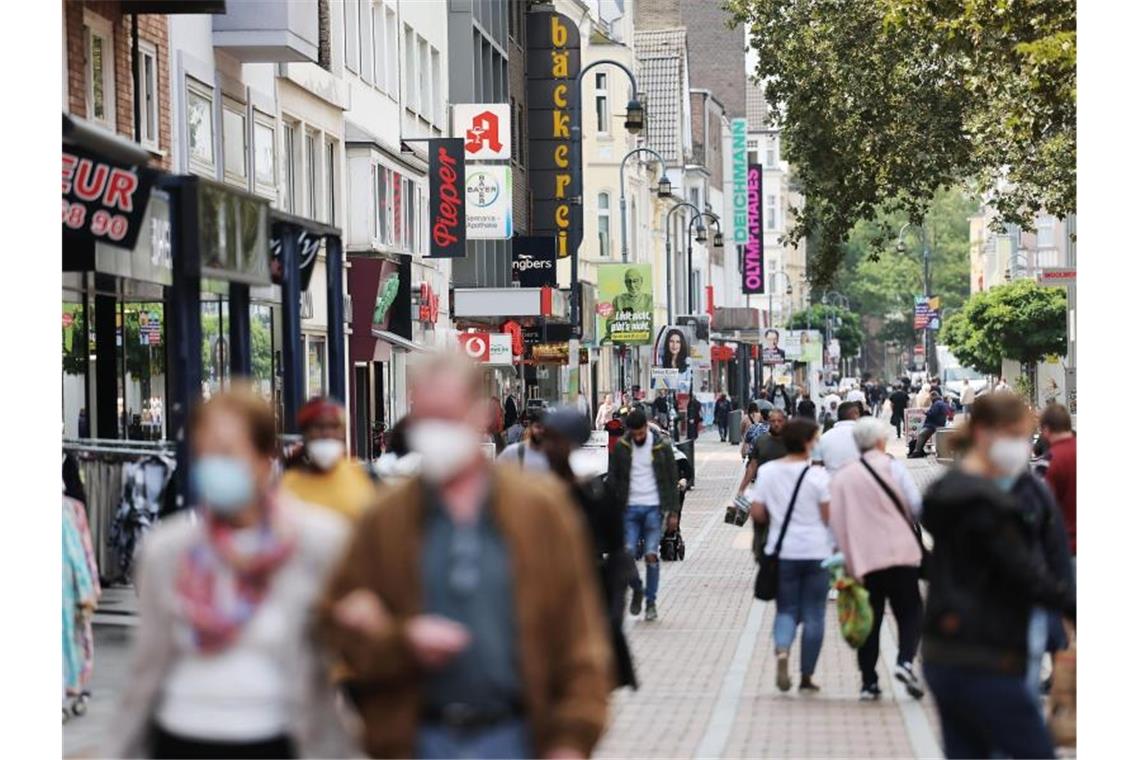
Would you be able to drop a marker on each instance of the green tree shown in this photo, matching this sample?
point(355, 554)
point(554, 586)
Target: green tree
point(1022, 321)
point(883, 102)
point(845, 325)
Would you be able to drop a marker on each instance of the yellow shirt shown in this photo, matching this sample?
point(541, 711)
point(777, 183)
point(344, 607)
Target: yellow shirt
point(346, 488)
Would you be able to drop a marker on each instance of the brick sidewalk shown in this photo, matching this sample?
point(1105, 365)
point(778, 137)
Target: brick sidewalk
point(707, 670)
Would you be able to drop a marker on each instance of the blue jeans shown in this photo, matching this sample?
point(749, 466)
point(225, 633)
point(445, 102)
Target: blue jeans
point(643, 521)
point(801, 598)
point(986, 714)
point(510, 741)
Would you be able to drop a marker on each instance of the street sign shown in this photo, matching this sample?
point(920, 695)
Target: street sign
point(1057, 276)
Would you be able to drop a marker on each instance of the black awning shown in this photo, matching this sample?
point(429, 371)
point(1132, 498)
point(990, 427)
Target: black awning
point(173, 7)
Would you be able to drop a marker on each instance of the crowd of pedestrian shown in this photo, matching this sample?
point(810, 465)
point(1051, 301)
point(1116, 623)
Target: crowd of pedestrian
point(447, 603)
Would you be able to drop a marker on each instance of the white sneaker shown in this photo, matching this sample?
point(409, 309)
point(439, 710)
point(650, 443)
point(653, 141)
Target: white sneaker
point(904, 673)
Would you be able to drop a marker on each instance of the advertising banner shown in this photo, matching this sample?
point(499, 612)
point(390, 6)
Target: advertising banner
point(533, 262)
point(740, 181)
point(489, 202)
point(551, 353)
point(698, 328)
point(670, 379)
point(499, 349)
point(554, 59)
point(671, 348)
point(476, 346)
point(752, 267)
point(446, 206)
point(308, 246)
point(927, 312)
point(103, 200)
point(803, 345)
point(625, 303)
point(484, 129)
point(774, 350)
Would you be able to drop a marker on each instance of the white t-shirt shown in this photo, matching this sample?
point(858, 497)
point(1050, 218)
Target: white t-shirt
point(533, 459)
point(837, 446)
point(808, 537)
point(856, 394)
point(642, 483)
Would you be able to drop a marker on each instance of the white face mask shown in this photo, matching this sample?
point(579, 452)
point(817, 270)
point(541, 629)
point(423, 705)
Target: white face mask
point(325, 452)
point(444, 447)
point(1010, 455)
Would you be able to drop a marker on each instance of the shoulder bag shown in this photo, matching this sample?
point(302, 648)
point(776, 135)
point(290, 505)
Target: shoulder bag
point(924, 565)
point(768, 574)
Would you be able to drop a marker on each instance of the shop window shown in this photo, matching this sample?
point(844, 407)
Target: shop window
point(99, 54)
point(315, 366)
point(235, 148)
point(200, 126)
point(147, 94)
point(215, 343)
point(262, 348)
point(143, 384)
point(264, 155)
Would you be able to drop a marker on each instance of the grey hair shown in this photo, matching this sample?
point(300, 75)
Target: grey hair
point(869, 431)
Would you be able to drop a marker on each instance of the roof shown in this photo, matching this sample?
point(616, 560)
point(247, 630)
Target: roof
point(660, 74)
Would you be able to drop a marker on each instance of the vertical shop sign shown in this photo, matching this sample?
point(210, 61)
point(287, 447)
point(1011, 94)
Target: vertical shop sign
point(447, 183)
point(752, 274)
point(533, 262)
point(740, 181)
point(553, 62)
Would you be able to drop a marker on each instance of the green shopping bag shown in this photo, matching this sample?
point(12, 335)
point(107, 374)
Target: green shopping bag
point(855, 615)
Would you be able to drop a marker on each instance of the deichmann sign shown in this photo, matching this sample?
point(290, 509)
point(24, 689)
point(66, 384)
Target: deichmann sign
point(752, 273)
point(533, 261)
point(484, 129)
point(740, 181)
point(103, 200)
point(447, 174)
point(489, 202)
point(553, 62)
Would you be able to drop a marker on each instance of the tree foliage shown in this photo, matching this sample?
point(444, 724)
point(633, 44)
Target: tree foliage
point(1022, 321)
point(882, 102)
point(845, 325)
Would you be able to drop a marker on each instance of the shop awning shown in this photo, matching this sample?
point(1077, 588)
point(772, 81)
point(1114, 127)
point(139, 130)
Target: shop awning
point(398, 341)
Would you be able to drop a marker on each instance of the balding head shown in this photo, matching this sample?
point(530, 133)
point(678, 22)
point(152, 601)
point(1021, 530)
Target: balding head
point(446, 386)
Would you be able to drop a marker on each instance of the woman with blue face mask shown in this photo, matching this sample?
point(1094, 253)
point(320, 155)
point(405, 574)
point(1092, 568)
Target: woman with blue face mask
point(225, 664)
point(987, 575)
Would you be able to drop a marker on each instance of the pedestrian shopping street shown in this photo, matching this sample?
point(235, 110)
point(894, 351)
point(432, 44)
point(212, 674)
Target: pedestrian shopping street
point(706, 666)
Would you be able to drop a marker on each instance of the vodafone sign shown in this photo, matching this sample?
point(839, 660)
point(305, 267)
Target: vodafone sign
point(476, 346)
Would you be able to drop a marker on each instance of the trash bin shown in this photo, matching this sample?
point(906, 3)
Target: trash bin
point(734, 419)
point(942, 449)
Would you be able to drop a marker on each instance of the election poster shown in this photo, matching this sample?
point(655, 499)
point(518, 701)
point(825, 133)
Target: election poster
point(625, 303)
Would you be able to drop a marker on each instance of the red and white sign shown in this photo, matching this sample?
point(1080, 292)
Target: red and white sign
point(476, 346)
point(429, 304)
point(485, 129)
point(1057, 276)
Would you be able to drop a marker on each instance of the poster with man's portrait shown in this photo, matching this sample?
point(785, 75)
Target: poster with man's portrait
point(625, 303)
point(772, 348)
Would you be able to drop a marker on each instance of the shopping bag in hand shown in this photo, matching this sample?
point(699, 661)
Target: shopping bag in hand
point(853, 604)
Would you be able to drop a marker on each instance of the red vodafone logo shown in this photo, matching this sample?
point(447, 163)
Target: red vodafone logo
point(476, 346)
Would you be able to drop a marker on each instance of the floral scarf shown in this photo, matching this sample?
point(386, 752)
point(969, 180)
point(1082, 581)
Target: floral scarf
point(220, 585)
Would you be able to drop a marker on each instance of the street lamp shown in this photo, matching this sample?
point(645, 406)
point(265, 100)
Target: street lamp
point(702, 237)
point(928, 337)
point(664, 190)
point(634, 123)
point(669, 254)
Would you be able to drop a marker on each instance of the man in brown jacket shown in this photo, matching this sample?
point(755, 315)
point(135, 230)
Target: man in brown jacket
point(467, 605)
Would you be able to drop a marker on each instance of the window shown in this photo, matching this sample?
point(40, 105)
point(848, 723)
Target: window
point(366, 70)
point(264, 154)
point(604, 225)
point(770, 222)
point(291, 160)
point(770, 154)
point(235, 147)
point(379, 44)
point(330, 181)
point(1045, 237)
point(396, 197)
point(423, 76)
point(383, 226)
point(311, 165)
point(393, 52)
point(602, 103)
point(411, 93)
point(99, 53)
point(409, 197)
point(352, 35)
point(147, 95)
point(436, 90)
point(200, 126)
point(316, 366)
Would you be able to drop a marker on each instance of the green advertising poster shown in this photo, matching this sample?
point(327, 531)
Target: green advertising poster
point(625, 303)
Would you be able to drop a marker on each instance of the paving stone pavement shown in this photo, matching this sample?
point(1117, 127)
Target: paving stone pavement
point(707, 669)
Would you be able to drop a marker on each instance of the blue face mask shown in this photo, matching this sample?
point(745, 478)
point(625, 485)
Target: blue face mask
point(1005, 482)
point(224, 485)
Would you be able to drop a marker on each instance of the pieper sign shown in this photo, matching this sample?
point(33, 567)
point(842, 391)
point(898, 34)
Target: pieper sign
point(448, 215)
point(103, 200)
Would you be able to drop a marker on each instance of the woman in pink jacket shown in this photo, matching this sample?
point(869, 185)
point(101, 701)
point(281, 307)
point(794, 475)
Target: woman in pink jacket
point(874, 507)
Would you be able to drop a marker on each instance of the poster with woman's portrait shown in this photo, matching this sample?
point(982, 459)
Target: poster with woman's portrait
point(671, 360)
point(697, 326)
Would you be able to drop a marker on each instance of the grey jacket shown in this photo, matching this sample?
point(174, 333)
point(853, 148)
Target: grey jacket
point(317, 725)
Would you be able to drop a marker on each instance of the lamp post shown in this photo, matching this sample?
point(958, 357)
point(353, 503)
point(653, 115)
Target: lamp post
point(664, 190)
point(634, 122)
point(833, 298)
point(669, 254)
point(702, 237)
point(927, 337)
